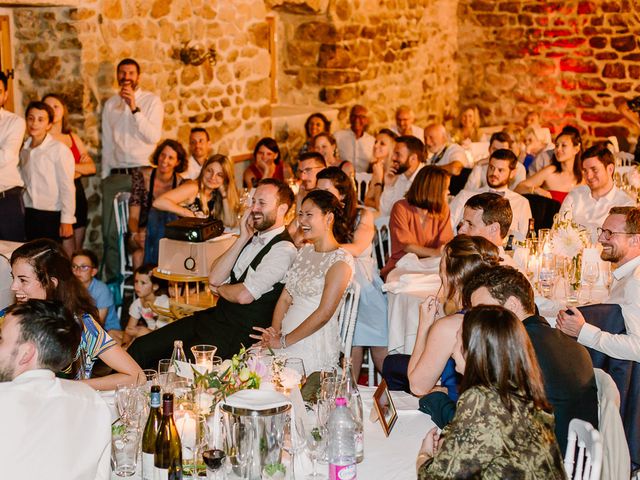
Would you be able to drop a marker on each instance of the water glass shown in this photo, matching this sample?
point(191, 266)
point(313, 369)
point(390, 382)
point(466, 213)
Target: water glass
point(125, 445)
point(165, 372)
point(590, 274)
point(147, 378)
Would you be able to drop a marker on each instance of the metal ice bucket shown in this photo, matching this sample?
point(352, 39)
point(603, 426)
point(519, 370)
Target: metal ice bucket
point(254, 434)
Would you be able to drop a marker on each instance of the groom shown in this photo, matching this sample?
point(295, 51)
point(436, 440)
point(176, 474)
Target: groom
point(248, 279)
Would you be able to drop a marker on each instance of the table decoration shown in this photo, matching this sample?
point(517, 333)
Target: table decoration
point(567, 242)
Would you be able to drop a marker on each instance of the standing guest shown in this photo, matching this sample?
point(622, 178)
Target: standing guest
point(305, 322)
point(54, 428)
point(555, 181)
point(325, 144)
point(146, 223)
point(503, 427)
point(42, 271)
point(354, 230)
point(404, 126)
point(131, 128)
point(355, 144)
point(420, 223)
point(84, 166)
point(267, 163)
point(407, 160)
point(316, 123)
point(212, 194)
point(468, 126)
point(588, 205)
point(48, 169)
point(478, 176)
point(247, 279)
point(84, 265)
point(200, 149)
point(449, 156)
point(380, 165)
point(502, 163)
point(12, 129)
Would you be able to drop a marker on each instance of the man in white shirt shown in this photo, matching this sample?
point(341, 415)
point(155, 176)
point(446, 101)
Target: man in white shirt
point(501, 165)
point(407, 159)
point(449, 156)
point(200, 149)
point(12, 129)
point(404, 126)
point(248, 279)
point(588, 205)
point(620, 240)
point(131, 128)
point(355, 145)
point(478, 176)
point(52, 428)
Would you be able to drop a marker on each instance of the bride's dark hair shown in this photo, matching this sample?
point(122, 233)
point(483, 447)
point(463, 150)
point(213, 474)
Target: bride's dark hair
point(327, 202)
point(346, 189)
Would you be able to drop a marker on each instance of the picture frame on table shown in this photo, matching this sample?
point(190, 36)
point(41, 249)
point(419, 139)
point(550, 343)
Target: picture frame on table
point(386, 410)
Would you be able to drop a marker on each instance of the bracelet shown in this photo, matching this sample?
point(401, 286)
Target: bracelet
point(283, 341)
point(378, 184)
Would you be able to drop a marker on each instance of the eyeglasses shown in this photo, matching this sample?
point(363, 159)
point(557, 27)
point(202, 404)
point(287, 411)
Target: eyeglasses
point(82, 268)
point(307, 171)
point(607, 234)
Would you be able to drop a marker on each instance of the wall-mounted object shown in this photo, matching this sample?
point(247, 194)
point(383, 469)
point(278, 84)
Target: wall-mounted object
point(195, 53)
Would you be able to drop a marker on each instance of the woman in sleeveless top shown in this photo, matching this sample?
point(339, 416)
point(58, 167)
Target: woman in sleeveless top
point(267, 163)
point(212, 194)
point(61, 131)
point(564, 173)
point(355, 231)
point(325, 144)
point(146, 224)
point(305, 322)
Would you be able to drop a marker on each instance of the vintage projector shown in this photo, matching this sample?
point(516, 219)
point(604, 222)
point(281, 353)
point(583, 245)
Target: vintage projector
point(179, 257)
point(193, 229)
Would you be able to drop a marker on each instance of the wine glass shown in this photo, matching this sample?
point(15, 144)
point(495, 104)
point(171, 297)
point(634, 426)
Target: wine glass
point(146, 379)
point(297, 365)
point(238, 445)
point(294, 440)
point(316, 438)
point(547, 274)
point(590, 274)
point(129, 403)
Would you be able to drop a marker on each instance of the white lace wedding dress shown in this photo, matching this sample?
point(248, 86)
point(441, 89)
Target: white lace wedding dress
point(305, 283)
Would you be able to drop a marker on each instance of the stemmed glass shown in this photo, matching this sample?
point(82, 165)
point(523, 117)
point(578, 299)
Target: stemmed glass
point(238, 445)
point(130, 403)
point(297, 365)
point(294, 440)
point(316, 438)
point(590, 274)
point(547, 274)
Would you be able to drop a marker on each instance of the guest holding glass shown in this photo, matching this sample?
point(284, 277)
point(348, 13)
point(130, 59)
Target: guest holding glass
point(503, 427)
point(42, 271)
point(420, 223)
point(305, 322)
point(146, 223)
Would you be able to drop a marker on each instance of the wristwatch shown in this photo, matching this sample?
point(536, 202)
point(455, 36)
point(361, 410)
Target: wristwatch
point(135, 110)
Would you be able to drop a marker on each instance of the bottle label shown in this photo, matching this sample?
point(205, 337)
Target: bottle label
point(155, 400)
point(147, 467)
point(161, 473)
point(359, 444)
point(342, 472)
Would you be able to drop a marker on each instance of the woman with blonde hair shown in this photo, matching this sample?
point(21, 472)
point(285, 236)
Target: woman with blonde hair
point(469, 126)
point(212, 194)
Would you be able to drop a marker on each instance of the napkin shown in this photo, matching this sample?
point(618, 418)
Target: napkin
point(411, 262)
point(412, 282)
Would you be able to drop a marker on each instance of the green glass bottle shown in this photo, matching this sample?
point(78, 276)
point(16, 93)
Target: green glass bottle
point(167, 458)
point(150, 434)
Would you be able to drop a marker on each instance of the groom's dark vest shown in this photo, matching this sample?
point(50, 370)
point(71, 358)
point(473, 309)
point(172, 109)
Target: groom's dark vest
point(234, 322)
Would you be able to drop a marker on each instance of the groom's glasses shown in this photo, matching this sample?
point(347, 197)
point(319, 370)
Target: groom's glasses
point(607, 234)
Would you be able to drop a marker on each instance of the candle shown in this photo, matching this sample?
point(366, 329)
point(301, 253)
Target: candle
point(186, 425)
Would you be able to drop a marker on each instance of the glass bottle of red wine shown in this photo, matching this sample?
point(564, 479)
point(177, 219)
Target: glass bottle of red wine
point(150, 434)
point(167, 458)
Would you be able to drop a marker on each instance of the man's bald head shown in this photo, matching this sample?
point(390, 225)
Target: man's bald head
point(435, 137)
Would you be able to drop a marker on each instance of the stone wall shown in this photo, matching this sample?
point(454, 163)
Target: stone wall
point(568, 59)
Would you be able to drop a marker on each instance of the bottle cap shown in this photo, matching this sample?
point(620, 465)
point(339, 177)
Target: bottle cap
point(341, 402)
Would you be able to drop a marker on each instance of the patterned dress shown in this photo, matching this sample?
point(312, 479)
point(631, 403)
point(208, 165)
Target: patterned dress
point(486, 441)
point(93, 343)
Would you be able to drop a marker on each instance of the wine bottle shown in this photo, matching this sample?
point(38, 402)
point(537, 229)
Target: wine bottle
point(150, 433)
point(531, 231)
point(167, 458)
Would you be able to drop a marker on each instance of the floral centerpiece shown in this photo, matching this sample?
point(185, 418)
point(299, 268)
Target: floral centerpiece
point(567, 238)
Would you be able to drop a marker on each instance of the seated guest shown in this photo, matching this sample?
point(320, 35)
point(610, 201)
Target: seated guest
point(436, 335)
point(309, 165)
point(478, 176)
point(449, 156)
point(565, 172)
point(267, 163)
point(325, 145)
point(567, 371)
point(532, 119)
point(355, 144)
point(213, 194)
point(305, 320)
point(620, 240)
point(534, 145)
point(316, 123)
point(503, 427)
point(354, 229)
point(380, 165)
point(84, 265)
point(502, 163)
point(200, 149)
point(53, 428)
point(588, 205)
point(420, 223)
point(84, 166)
point(247, 279)
point(47, 168)
point(404, 126)
point(407, 160)
point(543, 159)
point(42, 271)
point(468, 129)
point(146, 223)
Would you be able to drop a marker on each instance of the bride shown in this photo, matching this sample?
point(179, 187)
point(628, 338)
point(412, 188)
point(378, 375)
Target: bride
point(305, 320)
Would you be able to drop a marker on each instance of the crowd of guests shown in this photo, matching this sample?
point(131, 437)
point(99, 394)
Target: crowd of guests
point(485, 364)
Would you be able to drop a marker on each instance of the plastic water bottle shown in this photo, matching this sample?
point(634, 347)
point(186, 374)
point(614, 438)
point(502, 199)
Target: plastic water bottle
point(349, 390)
point(342, 444)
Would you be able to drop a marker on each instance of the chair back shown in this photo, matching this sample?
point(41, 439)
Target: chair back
point(543, 210)
point(382, 240)
point(362, 182)
point(347, 315)
point(121, 213)
point(583, 459)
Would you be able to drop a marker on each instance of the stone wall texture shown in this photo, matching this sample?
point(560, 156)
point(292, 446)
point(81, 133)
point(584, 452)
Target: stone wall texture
point(568, 59)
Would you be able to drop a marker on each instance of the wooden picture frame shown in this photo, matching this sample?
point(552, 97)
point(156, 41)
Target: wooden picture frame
point(386, 410)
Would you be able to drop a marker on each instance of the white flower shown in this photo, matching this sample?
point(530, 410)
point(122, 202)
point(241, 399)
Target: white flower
point(567, 241)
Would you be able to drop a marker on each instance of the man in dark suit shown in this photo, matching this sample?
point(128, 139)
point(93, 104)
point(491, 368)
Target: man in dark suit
point(566, 366)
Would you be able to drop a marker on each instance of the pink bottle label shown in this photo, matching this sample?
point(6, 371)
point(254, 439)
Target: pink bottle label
point(342, 472)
